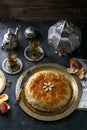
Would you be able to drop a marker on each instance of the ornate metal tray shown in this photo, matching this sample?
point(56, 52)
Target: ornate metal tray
point(49, 116)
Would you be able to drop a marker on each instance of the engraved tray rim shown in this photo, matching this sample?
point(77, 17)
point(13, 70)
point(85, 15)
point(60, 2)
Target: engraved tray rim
point(72, 105)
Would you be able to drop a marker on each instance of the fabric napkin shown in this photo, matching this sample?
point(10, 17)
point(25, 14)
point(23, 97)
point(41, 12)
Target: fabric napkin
point(83, 102)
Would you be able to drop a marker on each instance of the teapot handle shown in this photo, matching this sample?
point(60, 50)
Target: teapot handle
point(3, 47)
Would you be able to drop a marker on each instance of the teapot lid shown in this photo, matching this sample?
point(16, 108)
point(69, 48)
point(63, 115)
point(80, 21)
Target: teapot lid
point(9, 36)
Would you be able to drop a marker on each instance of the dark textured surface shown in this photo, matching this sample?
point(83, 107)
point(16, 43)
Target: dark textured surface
point(17, 119)
point(43, 10)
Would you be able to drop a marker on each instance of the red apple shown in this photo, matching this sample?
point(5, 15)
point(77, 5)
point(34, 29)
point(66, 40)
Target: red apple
point(4, 107)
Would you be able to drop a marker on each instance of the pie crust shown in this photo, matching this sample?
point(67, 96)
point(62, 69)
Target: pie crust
point(48, 91)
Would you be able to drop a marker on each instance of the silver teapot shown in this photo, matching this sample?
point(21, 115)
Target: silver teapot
point(10, 40)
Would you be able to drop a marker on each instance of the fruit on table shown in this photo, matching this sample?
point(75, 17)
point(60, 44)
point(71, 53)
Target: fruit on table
point(4, 107)
point(76, 68)
point(4, 97)
point(75, 64)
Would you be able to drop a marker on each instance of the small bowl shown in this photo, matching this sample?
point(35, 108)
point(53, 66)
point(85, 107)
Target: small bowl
point(31, 32)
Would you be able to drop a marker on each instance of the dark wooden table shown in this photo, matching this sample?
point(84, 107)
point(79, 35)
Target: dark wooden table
point(16, 118)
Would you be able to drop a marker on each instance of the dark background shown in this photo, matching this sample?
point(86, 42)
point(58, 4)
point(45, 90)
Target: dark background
point(43, 10)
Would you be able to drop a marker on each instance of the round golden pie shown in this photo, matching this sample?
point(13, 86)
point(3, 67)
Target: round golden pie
point(48, 91)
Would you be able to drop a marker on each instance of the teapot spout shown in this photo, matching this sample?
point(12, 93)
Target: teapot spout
point(17, 31)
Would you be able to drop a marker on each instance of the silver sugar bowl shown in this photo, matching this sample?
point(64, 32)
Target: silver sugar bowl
point(31, 32)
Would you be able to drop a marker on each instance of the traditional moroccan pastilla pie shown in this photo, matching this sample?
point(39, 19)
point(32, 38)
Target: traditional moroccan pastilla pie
point(48, 91)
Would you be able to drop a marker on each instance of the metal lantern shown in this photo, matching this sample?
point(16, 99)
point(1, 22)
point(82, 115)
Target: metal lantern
point(64, 36)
